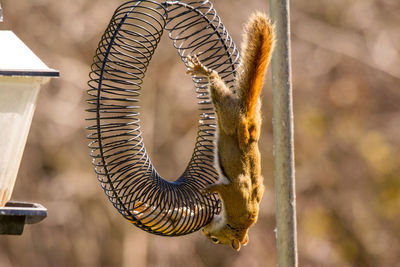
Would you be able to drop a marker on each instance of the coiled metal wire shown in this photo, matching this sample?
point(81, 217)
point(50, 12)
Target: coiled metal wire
point(121, 162)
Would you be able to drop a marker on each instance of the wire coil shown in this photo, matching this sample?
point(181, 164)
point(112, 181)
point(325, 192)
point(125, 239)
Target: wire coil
point(118, 152)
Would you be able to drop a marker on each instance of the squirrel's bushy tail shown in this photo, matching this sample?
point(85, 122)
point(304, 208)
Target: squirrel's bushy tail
point(257, 46)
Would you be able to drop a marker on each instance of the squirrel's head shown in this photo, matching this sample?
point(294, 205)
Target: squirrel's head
point(227, 235)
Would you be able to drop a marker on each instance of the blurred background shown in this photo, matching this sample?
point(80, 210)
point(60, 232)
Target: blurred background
point(346, 81)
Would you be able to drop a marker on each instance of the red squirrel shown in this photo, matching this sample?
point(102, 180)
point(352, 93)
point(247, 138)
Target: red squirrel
point(240, 184)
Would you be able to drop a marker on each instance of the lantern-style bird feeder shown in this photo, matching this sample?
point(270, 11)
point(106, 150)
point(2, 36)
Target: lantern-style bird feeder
point(21, 75)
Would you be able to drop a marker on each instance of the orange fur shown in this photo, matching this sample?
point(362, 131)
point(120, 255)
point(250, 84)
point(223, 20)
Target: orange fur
point(240, 185)
point(257, 48)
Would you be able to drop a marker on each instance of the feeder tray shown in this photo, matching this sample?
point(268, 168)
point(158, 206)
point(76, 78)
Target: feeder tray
point(15, 215)
point(121, 162)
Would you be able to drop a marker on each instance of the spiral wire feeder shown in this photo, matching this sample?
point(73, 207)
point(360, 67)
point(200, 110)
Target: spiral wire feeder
point(121, 162)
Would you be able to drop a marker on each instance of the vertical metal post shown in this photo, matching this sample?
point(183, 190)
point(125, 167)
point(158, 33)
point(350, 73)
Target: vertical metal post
point(284, 170)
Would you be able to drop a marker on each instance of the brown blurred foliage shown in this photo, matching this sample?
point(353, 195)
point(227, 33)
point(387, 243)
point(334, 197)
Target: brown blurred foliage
point(346, 80)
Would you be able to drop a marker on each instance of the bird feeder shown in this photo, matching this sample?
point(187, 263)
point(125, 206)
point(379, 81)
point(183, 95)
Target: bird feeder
point(21, 75)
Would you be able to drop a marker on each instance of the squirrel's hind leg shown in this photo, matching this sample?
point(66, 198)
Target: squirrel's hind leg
point(196, 68)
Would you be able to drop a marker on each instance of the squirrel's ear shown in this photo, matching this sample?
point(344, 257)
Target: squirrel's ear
point(245, 240)
point(235, 244)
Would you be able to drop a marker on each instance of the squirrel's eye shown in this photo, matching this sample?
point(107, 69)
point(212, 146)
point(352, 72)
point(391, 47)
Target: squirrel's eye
point(214, 240)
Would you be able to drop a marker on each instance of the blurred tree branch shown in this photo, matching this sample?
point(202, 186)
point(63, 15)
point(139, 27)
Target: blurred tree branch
point(337, 40)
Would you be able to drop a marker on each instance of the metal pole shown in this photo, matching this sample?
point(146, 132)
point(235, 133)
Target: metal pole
point(284, 171)
point(1, 14)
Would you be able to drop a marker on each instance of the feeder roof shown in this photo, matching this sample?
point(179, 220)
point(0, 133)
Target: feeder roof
point(16, 59)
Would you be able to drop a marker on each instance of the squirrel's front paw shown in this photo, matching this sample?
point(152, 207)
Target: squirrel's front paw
point(196, 68)
point(205, 191)
point(213, 188)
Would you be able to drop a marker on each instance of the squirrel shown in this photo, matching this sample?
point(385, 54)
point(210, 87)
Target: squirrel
point(237, 156)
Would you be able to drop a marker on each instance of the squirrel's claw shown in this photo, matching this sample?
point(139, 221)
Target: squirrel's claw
point(195, 67)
